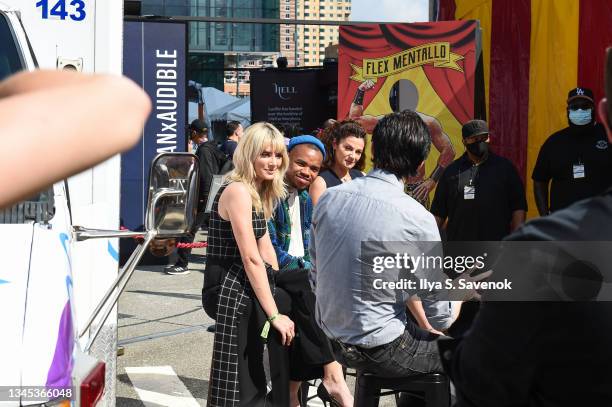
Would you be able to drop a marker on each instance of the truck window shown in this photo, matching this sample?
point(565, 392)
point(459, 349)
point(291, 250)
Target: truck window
point(39, 208)
point(10, 59)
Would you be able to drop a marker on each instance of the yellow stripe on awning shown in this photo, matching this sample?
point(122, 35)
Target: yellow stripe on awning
point(553, 72)
point(479, 10)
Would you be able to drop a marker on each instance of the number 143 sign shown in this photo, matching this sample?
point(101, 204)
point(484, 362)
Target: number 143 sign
point(62, 9)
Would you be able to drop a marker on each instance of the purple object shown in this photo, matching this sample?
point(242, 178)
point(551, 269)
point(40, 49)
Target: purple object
point(61, 366)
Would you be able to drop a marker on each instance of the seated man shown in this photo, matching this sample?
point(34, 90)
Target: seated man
point(369, 333)
point(289, 229)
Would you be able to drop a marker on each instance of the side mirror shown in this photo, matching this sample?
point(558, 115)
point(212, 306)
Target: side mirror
point(173, 194)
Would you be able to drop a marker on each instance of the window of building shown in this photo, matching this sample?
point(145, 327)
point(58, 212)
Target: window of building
point(287, 46)
point(322, 14)
point(287, 8)
point(287, 39)
point(287, 31)
point(322, 7)
point(306, 15)
point(287, 16)
point(307, 37)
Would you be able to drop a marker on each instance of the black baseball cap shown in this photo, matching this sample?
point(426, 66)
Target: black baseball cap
point(474, 128)
point(199, 126)
point(580, 93)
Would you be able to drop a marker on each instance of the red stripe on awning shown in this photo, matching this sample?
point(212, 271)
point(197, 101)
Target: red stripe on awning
point(446, 11)
point(509, 84)
point(595, 30)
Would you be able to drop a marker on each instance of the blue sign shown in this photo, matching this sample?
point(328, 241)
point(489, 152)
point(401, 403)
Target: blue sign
point(155, 57)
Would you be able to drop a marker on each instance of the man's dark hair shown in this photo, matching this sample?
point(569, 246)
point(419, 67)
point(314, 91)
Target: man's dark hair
point(230, 127)
point(608, 83)
point(282, 62)
point(400, 143)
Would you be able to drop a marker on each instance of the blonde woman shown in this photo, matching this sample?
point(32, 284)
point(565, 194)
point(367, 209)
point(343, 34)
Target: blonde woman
point(239, 244)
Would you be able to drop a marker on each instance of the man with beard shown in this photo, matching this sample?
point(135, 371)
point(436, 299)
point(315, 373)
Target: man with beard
point(575, 161)
point(480, 195)
point(311, 356)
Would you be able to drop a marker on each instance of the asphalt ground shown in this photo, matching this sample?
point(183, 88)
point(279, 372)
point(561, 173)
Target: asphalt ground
point(163, 335)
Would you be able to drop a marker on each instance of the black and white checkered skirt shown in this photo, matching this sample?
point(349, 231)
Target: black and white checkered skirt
point(234, 299)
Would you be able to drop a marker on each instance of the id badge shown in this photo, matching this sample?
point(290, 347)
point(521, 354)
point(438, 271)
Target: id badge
point(578, 171)
point(469, 192)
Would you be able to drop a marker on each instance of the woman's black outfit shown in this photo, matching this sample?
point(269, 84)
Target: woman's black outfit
point(332, 180)
point(237, 375)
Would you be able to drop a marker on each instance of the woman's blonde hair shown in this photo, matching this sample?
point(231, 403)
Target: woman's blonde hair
point(255, 140)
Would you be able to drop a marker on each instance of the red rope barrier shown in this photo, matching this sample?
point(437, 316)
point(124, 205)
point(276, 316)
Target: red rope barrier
point(191, 245)
point(179, 245)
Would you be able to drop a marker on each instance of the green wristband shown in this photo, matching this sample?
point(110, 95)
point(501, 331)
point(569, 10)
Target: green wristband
point(266, 327)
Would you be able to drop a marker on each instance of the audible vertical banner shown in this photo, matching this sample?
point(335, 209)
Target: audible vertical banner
point(294, 98)
point(154, 56)
point(426, 67)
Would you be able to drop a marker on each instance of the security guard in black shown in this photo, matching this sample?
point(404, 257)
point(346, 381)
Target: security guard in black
point(577, 161)
point(480, 195)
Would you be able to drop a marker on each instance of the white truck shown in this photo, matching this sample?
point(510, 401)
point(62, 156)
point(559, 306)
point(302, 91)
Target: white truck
point(59, 282)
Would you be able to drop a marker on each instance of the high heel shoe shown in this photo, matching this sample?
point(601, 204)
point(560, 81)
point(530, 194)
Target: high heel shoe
point(326, 397)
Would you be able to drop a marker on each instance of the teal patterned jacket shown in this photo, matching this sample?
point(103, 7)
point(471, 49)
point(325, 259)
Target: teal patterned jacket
point(279, 227)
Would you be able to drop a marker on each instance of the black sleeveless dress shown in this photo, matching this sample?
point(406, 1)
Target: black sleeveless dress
point(237, 377)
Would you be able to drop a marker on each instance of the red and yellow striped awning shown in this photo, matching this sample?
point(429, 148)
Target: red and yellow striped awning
point(534, 52)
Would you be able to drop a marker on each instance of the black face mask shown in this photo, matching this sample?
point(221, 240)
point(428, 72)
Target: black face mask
point(480, 149)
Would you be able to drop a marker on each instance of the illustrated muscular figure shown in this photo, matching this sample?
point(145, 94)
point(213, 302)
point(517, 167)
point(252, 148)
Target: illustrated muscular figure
point(418, 187)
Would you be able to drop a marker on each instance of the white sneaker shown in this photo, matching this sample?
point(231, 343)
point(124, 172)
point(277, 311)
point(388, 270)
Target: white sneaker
point(175, 270)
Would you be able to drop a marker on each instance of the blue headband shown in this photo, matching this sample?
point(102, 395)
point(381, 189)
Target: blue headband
point(307, 139)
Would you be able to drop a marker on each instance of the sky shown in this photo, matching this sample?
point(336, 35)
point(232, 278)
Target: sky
point(406, 11)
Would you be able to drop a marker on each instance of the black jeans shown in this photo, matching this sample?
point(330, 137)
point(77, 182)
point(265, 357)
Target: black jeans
point(415, 351)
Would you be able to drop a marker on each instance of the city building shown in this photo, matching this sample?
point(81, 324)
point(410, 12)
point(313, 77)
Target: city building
point(305, 45)
point(215, 47)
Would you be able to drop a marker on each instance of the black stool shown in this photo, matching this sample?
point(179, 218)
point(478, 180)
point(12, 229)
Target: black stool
point(434, 388)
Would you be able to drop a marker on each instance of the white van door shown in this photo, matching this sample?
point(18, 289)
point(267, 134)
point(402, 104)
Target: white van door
point(16, 241)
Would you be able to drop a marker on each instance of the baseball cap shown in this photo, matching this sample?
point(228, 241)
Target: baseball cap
point(198, 125)
point(474, 128)
point(580, 93)
point(306, 139)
